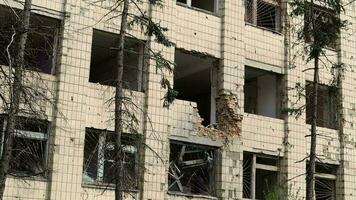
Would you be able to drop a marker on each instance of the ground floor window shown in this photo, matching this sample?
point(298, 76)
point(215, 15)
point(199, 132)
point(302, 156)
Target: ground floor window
point(29, 151)
point(99, 165)
point(260, 176)
point(191, 169)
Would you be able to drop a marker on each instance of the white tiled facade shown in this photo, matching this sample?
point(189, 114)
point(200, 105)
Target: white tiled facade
point(223, 35)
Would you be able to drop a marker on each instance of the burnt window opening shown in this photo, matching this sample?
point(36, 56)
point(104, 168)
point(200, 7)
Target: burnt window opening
point(103, 63)
point(30, 144)
point(260, 176)
point(41, 43)
point(264, 13)
point(262, 91)
point(195, 80)
point(99, 164)
point(192, 169)
point(208, 5)
point(327, 112)
point(324, 20)
point(325, 181)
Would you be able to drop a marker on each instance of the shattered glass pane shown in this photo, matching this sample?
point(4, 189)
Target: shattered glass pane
point(28, 157)
point(191, 169)
point(99, 163)
point(325, 189)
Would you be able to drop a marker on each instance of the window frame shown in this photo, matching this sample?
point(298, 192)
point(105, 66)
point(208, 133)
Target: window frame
point(55, 39)
point(258, 166)
point(99, 34)
point(328, 175)
point(254, 15)
point(331, 116)
point(212, 173)
point(100, 165)
point(189, 5)
point(321, 9)
point(251, 106)
point(31, 135)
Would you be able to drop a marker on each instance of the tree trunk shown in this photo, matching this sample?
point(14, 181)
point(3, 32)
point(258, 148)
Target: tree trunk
point(118, 104)
point(312, 154)
point(15, 94)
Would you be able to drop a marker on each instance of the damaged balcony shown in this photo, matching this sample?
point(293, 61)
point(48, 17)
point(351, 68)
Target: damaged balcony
point(262, 103)
point(102, 78)
point(195, 80)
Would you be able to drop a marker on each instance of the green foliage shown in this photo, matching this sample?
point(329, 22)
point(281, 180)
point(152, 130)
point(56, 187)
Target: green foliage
point(322, 24)
point(271, 195)
point(156, 30)
point(151, 28)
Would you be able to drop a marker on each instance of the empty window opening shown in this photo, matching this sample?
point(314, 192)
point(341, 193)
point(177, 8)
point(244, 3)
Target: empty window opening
point(99, 164)
point(327, 113)
point(29, 153)
point(323, 21)
point(262, 92)
point(208, 5)
point(195, 80)
point(41, 43)
point(103, 64)
point(191, 169)
point(263, 13)
point(325, 181)
point(260, 176)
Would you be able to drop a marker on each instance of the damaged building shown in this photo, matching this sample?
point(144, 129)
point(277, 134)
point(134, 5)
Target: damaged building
point(226, 135)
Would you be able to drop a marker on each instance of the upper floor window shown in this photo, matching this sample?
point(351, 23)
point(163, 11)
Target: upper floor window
point(327, 113)
point(103, 63)
point(324, 19)
point(208, 5)
point(41, 43)
point(264, 13)
point(262, 91)
point(99, 164)
point(29, 151)
point(200, 71)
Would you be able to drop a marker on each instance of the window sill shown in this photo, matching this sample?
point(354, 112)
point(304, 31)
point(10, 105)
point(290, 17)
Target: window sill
point(280, 117)
point(191, 195)
point(325, 127)
point(263, 28)
point(30, 178)
point(105, 186)
point(198, 9)
point(107, 86)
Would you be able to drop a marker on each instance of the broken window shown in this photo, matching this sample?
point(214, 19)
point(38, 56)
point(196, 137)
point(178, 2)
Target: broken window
point(103, 64)
point(262, 92)
point(260, 176)
point(324, 19)
point(191, 169)
point(263, 13)
point(41, 42)
point(195, 80)
point(208, 5)
point(327, 113)
point(99, 164)
point(29, 153)
point(325, 181)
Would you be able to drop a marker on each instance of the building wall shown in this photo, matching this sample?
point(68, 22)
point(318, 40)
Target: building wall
point(225, 35)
